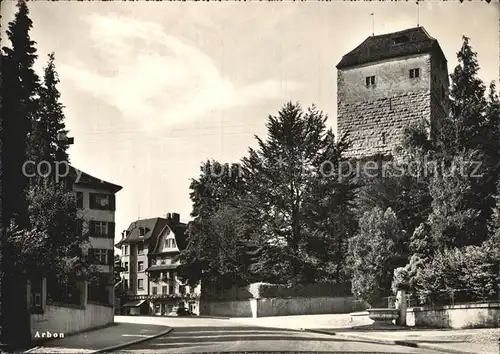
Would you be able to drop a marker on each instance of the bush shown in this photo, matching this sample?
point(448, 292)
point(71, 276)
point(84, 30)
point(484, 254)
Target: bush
point(471, 270)
point(404, 277)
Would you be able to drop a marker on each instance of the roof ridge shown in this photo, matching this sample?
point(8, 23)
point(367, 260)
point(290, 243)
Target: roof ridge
point(386, 46)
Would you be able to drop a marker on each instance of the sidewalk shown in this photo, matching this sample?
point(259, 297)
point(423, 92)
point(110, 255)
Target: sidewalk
point(479, 341)
point(114, 337)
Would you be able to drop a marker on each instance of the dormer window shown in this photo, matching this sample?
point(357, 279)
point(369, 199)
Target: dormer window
point(370, 81)
point(170, 243)
point(142, 231)
point(400, 40)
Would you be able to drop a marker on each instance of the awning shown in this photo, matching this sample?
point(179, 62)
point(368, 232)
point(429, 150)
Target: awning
point(135, 303)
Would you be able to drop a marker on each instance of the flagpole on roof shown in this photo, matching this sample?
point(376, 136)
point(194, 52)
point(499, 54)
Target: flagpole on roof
point(373, 23)
point(418, 14)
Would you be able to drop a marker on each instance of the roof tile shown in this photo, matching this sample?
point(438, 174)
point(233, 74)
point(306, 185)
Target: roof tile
point(391, 45)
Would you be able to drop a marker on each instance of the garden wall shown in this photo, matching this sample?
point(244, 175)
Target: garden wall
point(67, 318)
point(479, 315)
point(262, 300)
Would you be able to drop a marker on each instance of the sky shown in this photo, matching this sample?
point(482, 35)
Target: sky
point(152, 89)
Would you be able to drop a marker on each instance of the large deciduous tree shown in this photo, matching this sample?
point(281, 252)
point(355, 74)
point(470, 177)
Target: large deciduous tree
point(286, 179)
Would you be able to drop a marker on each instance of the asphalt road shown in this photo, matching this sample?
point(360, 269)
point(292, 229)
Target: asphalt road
point(209, 335)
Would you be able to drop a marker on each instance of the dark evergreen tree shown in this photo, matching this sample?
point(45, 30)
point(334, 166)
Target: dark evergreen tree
point(19, 88)
point(467, 101)
point(49, 121)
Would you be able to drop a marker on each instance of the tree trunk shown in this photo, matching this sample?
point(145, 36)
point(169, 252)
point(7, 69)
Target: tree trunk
point(15, 320)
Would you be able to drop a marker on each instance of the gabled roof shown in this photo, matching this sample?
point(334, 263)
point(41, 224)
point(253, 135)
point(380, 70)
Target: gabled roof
point(179, 230)
point(79, 177)
point(391, 45)
point(155, 225)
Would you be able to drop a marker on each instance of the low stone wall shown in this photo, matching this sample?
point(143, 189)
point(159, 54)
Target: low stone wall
point(67, 319)
point(238, 308)
point(265, 307)
point(480, 315)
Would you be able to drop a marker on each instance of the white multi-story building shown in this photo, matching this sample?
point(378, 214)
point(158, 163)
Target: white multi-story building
point(150, 277)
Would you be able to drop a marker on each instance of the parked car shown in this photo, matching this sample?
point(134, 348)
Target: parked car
point(181, 311)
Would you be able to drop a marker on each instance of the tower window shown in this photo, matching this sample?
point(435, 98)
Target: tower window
point(414, 73)
point(370, 81)
point(383, 138)
point(400, 39)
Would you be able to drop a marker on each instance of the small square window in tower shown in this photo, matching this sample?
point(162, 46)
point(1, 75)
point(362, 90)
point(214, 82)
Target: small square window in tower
point(370, 81)
point(400, 40)
point(414, 73)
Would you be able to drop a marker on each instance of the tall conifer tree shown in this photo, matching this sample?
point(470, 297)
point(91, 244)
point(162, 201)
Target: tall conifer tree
point(49, 122)
point(19, 87)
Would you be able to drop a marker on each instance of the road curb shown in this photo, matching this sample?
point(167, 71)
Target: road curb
point(137, 341)
point(214, 317)
point(389, 341)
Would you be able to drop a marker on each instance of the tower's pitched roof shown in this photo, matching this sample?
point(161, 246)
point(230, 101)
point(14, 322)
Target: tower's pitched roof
point(391, 45)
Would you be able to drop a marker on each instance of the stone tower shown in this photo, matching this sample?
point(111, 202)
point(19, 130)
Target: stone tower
point(386, 83)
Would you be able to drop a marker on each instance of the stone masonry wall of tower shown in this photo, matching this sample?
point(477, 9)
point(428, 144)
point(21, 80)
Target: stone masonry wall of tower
point(376, 101)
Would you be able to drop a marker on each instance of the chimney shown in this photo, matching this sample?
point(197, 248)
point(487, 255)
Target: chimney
point(168, 216)
point(176, 218)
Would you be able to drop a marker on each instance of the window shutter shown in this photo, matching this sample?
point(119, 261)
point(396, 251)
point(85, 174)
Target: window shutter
point(91, 256)
point(111, 230)
point(91, 228)
point(112, 202)
point(92, 203)
point(79, 227)
point(111, 257)
point(79, 200)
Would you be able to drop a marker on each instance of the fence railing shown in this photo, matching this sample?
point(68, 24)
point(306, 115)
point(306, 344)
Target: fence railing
point(457, 296)
point(445, 297)
point(63, 293)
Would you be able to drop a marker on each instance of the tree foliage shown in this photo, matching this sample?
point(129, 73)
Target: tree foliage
point(49, 121)
point(40, 215)
point(287, 175)
point(373, 255)
point(214, 240)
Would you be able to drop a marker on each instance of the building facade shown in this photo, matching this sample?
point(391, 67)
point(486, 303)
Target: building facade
point(387, 83)
point(149, 274)
point(96, 203)
point(79, 305)
point(166, 289)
